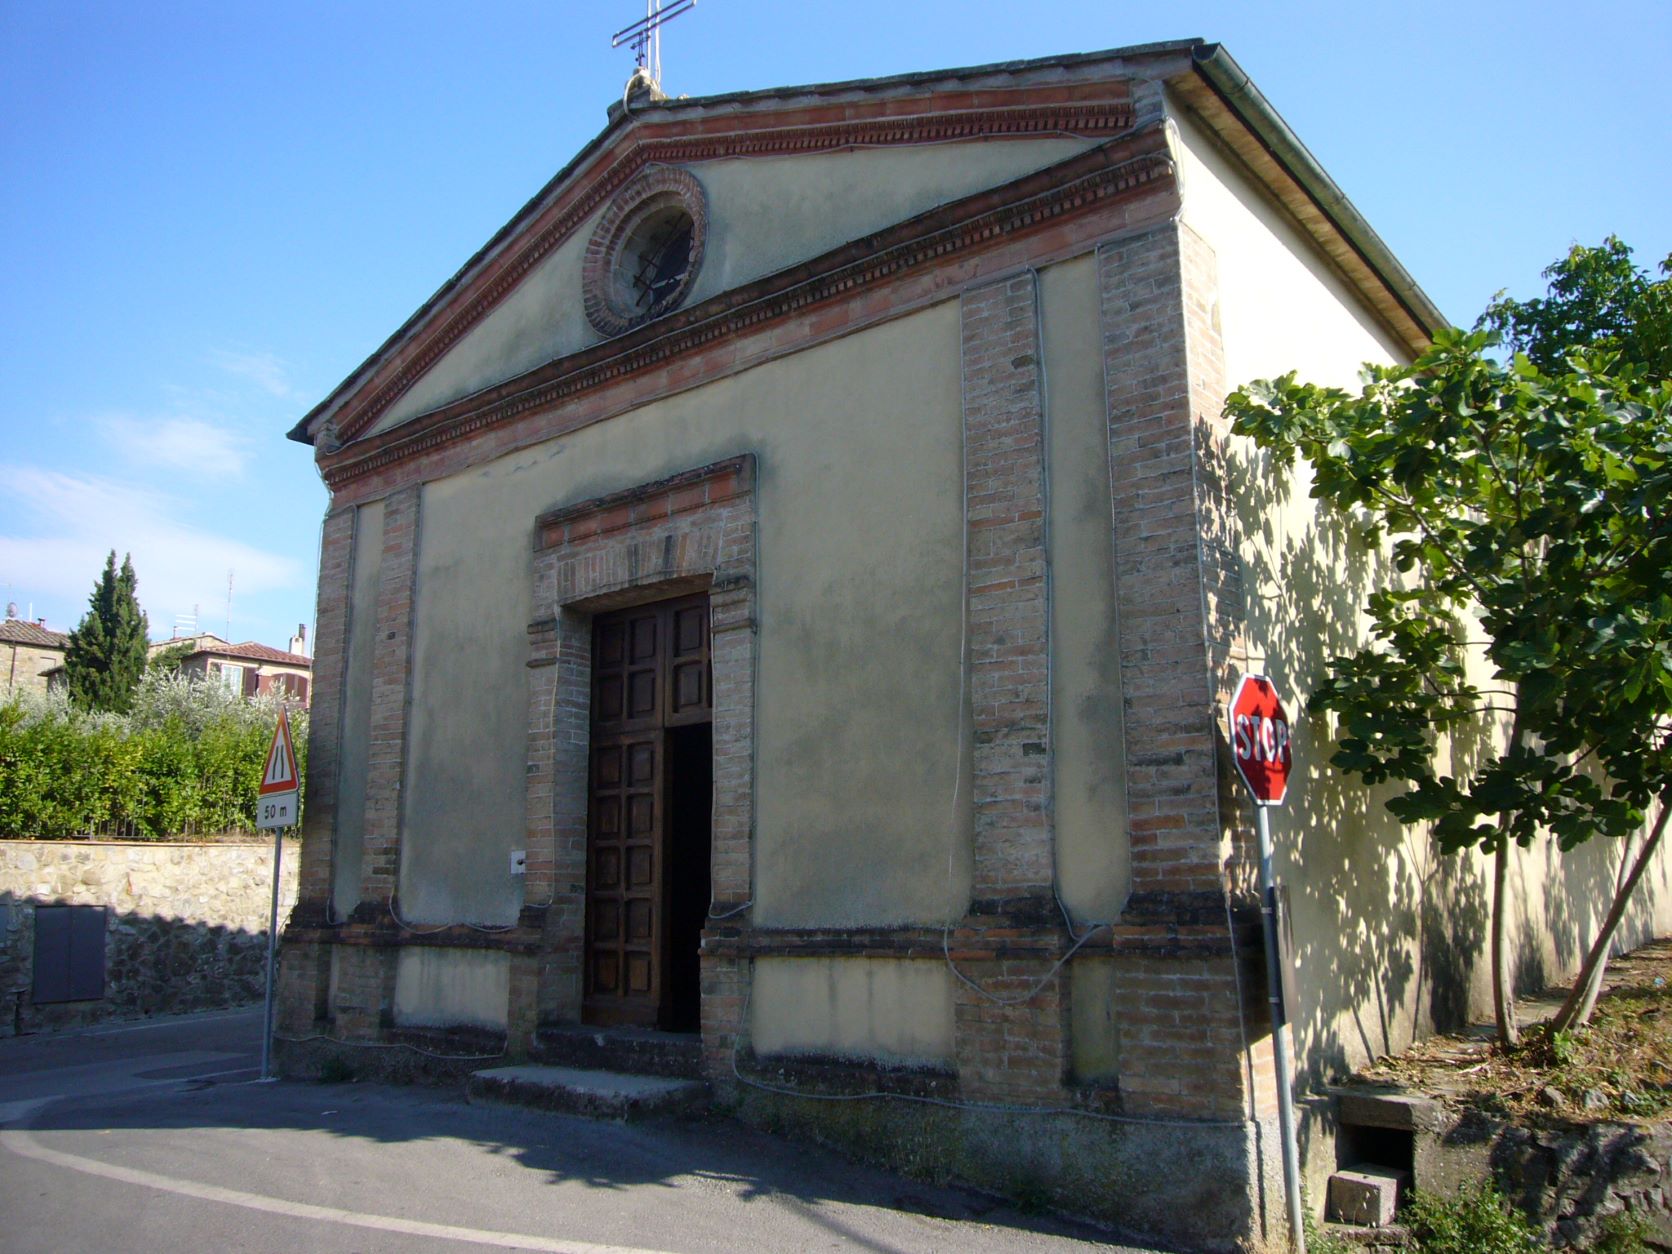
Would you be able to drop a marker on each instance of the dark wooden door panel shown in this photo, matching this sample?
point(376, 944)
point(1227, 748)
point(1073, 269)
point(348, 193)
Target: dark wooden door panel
point(651, 672)
point(624, 879)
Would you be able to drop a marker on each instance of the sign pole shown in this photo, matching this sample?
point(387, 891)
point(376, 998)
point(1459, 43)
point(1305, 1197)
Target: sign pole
point(276, 800)
point(1279, 1032)
point(272, 959)
point(1262, 752)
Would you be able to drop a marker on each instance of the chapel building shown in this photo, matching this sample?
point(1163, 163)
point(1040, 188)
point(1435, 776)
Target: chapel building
point(779, 598)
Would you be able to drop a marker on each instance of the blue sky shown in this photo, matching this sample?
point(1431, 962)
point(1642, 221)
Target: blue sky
point(210, 213)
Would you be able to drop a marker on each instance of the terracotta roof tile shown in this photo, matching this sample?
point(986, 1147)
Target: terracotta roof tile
point(253, 652)
point(22, 631)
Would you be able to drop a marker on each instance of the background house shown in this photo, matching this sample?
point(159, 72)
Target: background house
point(248, 668)
point(782, 595)
point(29, 654)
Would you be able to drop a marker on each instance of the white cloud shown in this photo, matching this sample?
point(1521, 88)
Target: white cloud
point(82, 517)
point(265, 370)
point(182, 444)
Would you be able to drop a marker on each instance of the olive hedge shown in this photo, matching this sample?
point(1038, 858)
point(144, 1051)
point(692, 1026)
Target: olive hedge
point(184, 763)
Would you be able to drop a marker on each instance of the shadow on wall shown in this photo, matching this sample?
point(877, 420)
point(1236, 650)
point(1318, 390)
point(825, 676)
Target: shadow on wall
point(51, 977)
point(1391, 934)
point(1385, 926)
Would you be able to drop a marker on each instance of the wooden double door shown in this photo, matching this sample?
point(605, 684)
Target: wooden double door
point(648, 814)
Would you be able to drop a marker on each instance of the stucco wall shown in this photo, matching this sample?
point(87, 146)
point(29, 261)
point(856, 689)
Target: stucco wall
point(1391, 935)
point(1088, 786)
point(186, 929)
point(444, 987)
point(899, 1012)
point(764, 214)
point(23, 667)
point(857, 728)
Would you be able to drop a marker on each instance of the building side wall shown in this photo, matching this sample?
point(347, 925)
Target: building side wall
point(23, 667)
point(1391, 935)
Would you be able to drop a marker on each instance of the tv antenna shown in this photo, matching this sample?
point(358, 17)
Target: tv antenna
point(644, 36)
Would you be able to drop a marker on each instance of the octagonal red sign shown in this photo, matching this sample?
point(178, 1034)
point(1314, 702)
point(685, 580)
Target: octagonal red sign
point(1260, 739)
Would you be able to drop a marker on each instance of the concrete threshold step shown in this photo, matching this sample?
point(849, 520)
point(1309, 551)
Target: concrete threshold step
point(636, 1050)
point(595, 1094)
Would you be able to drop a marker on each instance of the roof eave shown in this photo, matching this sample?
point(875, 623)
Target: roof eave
point(1237, 93)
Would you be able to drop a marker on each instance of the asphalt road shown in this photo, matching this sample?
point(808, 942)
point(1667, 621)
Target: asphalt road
point(159, 1136)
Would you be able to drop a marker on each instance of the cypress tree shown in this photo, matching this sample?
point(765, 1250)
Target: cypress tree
point(106, 654)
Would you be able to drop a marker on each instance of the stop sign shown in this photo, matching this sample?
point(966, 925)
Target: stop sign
point(1260, 739)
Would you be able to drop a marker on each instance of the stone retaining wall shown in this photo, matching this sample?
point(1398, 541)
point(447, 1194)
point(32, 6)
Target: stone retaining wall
point(1570, 1180)
point(185, 926)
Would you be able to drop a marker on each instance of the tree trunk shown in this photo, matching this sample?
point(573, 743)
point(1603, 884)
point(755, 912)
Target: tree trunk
point(1503, 992)
point(1576, 1010)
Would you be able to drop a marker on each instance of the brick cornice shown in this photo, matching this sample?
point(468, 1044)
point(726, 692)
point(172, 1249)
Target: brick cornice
point(1079, 185)
point(1091, 110)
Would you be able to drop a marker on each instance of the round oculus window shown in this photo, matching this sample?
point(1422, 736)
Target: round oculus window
point(645, 252)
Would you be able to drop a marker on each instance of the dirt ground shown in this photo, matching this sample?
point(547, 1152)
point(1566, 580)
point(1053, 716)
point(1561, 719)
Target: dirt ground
point(1617, 1067)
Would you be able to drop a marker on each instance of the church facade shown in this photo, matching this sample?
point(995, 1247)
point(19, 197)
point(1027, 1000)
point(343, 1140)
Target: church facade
point(783, 592)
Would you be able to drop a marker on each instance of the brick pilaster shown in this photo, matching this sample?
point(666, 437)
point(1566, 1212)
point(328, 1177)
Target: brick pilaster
point(560, 676)
point(725, 994)
point(304, 975)
point(1181, 633)
point(391, 687)
point(319, 818)
point(1009, 1012)
point(1011, 1031)
point(364, 991)
point(1165, 381)
point(1004, 485)
point(731, 609)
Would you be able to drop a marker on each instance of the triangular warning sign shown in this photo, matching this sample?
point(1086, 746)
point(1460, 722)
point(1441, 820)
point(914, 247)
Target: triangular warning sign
point(279, 775)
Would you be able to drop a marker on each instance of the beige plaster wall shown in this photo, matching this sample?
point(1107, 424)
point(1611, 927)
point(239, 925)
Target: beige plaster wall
point(444, 987)
point(353, 757)
point(764, 214)
point(23, 667)
point(768, 213)
point(859, 490)
point(1088, 785)
point(1391, 935)
point(894, 1010)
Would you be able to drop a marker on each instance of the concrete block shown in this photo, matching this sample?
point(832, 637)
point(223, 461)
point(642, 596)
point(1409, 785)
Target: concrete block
point(1387, 1108)
point(1365, 1195)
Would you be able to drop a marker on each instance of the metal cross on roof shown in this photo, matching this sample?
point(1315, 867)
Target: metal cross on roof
point(645, 35)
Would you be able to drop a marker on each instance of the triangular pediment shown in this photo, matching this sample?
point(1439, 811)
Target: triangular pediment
point(787, 176)
point(787, 197)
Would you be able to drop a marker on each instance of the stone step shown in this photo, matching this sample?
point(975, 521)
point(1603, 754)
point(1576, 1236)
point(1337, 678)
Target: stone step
point(595, 1094)
point(1362, 1106)
point(634, 1051)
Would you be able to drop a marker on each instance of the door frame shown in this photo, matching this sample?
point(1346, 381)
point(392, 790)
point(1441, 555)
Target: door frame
point(692, 532)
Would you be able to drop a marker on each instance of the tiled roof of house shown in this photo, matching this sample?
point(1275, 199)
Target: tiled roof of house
point(250, 651)
point(22, 631)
